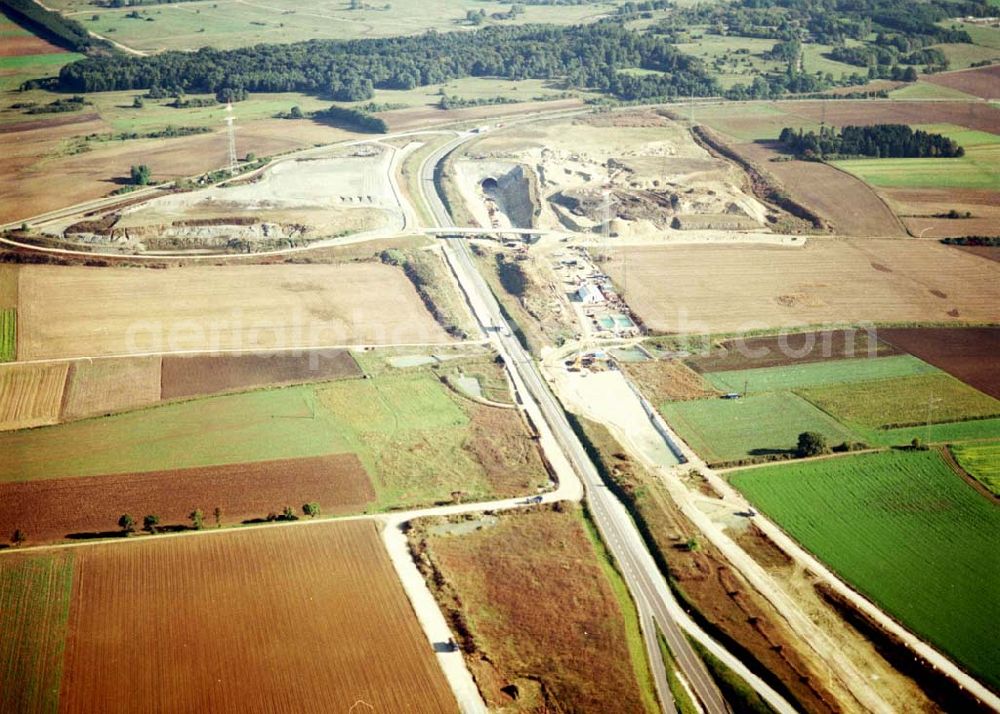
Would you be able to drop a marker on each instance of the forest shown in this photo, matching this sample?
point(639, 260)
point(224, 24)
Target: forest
point(588, 56)
point(897, 141)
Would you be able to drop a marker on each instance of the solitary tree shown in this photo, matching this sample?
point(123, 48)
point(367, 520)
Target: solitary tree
point(288, 514)
point(150, 522)
point(137, 103)
point(18, 537)
point(811, 443)
point(296, 112)
point(218, 516)
point(140, 174)
point(127, 524)
point(311, 509)
point(197, 519)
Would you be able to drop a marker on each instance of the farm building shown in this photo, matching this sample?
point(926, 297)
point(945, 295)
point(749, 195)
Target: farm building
point(590, 295)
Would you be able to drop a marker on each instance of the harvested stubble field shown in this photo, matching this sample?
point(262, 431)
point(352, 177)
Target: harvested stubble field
point(34, 607)
point(188, 376)
point(70, 311)
point(260, 625)
point(982, 462)
point(789, 349)
point(700, 289)
point(722, 430)
point(967, 353)
point(90, 506)
point(907, 532)
point(31, 394)
point(544, 611)
point(95, 388)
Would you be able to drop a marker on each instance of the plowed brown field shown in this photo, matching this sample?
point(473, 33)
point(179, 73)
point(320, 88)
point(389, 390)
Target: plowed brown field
point(78, 311)
point(290, 619)
point(970, 354)
point(982, 82)
point(703, 289)
point(845, 201)
point(107, 386)
point(52, 509)
point(973, 115)
point(30, 394)
point(211, 374)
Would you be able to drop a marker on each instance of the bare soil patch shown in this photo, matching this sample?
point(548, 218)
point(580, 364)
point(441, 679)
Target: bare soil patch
point(534, 613)
point(970, 354)
point(54, 509)
point(980, 82)
point(107, 386)
point(30, 394)
point(292, 619)
point(789, 349)
point(189, 376)
point(19, 46)
point(702, 289)
point(947, 228)
point(668, 381)
point(847, 203)
point(68, 311)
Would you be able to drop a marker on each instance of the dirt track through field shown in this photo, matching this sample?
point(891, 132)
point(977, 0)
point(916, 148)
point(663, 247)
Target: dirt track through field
point(307, 619)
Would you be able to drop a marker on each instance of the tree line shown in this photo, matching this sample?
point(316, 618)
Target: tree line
point(585, 56)
point(879, 140)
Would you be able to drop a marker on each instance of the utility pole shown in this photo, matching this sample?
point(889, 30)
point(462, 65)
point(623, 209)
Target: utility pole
point(927, 429)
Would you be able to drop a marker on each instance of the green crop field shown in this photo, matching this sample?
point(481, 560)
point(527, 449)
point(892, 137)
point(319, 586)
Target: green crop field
point(935, 433)
point(982, 462)
point(927, 90)
point(769, 379)
point(903, 401)
point(977, 169)
point(230, 23)
point(727, 430)
point(34, 610)
point(8, 334)
point(907, 532)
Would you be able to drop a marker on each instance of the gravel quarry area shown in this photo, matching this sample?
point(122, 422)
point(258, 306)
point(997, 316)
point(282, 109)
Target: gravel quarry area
point(290, 204)
point(636, 174)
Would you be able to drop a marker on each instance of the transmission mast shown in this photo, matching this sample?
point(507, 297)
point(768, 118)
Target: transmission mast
point(231, 132)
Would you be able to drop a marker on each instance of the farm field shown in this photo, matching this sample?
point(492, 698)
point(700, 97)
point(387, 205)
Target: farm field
point(94, 386)
point(248, 652)
point(198, 375)
point(969, 354)
point(229, 24)
point(77, 311)
point(418, 441)
point(701, 289)
point(976, 170)
point(788, 349)
point(8, 334)
point(668, 380)
point(722, 430)
point(814, 374)
point(34, 607)
point(906, 531)
point(845, 201)
point(981, 82)
point(53, 509)
point(902, 401)
point(982, 462)
point(547, 616)
point(31, 395)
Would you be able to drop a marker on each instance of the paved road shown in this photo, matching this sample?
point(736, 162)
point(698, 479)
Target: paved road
point(638, 568)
